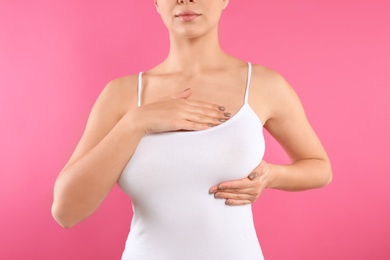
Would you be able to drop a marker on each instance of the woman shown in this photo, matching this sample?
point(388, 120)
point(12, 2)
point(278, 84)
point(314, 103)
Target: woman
point(181, 129)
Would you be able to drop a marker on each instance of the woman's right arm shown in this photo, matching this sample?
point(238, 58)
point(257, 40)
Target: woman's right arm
point(114, 129)
point(108, 142)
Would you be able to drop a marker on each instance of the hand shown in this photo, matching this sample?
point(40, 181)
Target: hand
point(244, 191)
point(179, 113)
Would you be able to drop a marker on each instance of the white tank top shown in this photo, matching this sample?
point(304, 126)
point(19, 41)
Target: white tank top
point(168, 178)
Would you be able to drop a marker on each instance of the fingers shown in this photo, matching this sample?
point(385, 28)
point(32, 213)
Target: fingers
point(232, 202)
point(177, 112)
point(200, 111)
point(251, 191)
point(208, 109)
point(196, 103)
point(201, 115)
point(235, 184)
point(213, 189)
point(192, 126)
point(244, 185)
point(236, 196)
point(243, 191)
point(235, 199)
point(210, 119)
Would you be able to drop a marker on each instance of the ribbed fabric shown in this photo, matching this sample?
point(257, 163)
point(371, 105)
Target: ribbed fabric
point(168, 178)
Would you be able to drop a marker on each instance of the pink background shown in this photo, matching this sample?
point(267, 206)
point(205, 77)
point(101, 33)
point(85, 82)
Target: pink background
point(56, 56)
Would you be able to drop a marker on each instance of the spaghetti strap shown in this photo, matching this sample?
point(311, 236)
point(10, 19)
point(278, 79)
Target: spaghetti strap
point(248, 81)
point(139, 88)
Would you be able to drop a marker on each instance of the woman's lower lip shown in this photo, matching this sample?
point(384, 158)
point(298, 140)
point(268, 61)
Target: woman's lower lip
point(188, 17)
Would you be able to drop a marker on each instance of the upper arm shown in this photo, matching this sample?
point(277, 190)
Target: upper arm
point(286, 120)
point(115, 100)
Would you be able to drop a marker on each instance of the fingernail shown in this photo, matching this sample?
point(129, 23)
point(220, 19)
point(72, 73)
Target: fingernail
point(222, 120)
point(253, 175)
point(212, 190)
point(221, 108)
point(210, 125)
point(227, 114)
point(221, 187)
point(218, 196)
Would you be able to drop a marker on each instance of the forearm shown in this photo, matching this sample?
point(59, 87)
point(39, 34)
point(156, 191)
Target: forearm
point(83, 185)
point(300, 175)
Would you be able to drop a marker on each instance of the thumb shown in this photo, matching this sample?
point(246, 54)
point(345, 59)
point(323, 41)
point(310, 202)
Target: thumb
point(253, 175)
point(183, 95)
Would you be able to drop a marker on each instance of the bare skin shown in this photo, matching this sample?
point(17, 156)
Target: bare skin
point(186, 92)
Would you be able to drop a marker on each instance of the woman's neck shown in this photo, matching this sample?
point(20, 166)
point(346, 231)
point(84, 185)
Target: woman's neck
point(193, 55)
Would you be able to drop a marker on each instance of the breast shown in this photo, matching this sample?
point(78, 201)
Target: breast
point(167, 164)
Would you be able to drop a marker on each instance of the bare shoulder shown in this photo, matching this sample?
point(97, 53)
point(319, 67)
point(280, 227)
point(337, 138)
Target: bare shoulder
point(119, 95)
point(117, 98)
point(270, 94)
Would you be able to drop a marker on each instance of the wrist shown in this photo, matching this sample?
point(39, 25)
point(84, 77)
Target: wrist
point(134, 122)
point(274, 172)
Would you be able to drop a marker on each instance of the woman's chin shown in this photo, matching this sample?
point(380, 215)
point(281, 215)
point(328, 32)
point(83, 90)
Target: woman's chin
point(191, 33)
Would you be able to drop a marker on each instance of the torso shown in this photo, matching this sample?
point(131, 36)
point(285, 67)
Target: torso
point(168, 178)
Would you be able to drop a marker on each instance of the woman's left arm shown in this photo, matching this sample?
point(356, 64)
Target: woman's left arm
point(287, 123)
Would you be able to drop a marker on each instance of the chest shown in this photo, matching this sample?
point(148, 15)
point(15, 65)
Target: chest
point(218, 88)
point(194, 161)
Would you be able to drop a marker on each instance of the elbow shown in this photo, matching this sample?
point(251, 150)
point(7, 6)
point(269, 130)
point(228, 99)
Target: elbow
point(62, 208)
point(327, 175)
point(330, 178)
point(61, 217)
point(327, 180)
